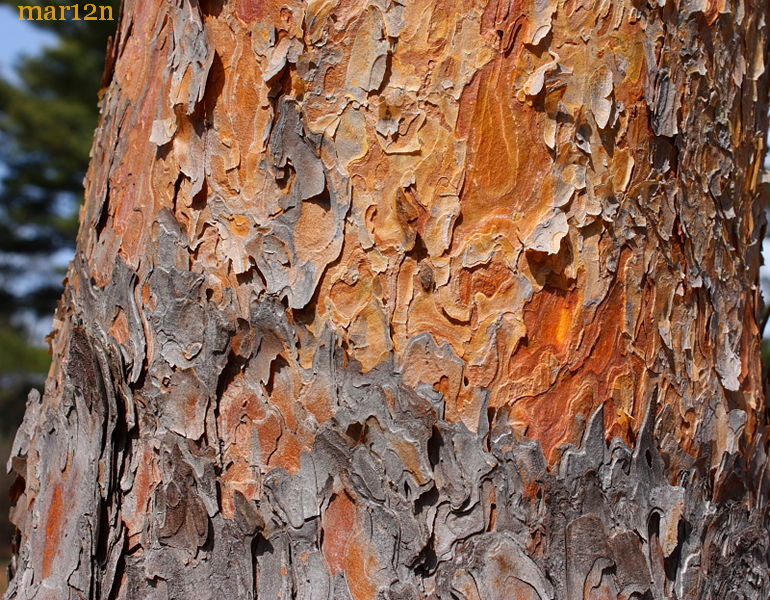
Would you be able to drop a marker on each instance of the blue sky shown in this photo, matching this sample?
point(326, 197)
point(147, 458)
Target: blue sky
point(17, 37)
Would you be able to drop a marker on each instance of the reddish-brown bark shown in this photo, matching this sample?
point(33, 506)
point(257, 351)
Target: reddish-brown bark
point(412, 299)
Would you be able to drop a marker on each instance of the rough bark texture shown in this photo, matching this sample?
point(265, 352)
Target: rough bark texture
point(411, 299)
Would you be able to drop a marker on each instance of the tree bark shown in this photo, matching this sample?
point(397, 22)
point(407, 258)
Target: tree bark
point(411, 299)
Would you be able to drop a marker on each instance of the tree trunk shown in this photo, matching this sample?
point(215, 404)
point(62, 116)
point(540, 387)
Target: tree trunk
point(411, 299)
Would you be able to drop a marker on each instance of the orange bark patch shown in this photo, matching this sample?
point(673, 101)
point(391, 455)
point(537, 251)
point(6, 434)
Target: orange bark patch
point(250, 11)
point(338, 521)
point(345, 548)
point(119, 327)
point(53, 527)
point(239, 476)
point(491, 280)
point(289, 453)
point(549, 317)
point(318, 399)
point(144, 482)
point(503, 136)
point(269, 431)
point(313, 232)
point(590, 369)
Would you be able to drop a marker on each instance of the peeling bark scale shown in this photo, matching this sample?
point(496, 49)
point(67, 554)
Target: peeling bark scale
point(400, 299)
